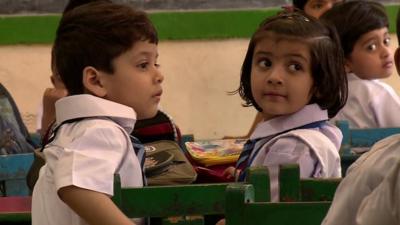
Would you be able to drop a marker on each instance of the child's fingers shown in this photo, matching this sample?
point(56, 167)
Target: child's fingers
point(229, 172)
point(221, 222)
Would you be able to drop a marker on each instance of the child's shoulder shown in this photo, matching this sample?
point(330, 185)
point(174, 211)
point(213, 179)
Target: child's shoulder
point(370, 85)
point(101, 126)
point(370, 88)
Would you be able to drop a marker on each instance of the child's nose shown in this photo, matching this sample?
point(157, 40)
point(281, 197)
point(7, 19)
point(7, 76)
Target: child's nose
point(159, 77)
point(386, 51)
point(275, 77)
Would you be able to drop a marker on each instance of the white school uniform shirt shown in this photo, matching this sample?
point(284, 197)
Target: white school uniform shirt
point(370, 104)
point(316, 150)
point(370, 192)
point(85, 154)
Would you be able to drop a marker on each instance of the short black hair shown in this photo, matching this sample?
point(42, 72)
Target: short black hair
point(327, 60)
point(353, 19)
point(72, 4)
point(299, 4)
point(95, 34)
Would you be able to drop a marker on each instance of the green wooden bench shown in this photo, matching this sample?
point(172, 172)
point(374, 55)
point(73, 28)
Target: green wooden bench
point(187, 204)
point(183, 201)
point(292, 188)
point(242, 209)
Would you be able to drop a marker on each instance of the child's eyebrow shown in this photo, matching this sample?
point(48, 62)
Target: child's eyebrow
point(146, 54)
point(300, 56)
point(295, 55)
point(375, 36)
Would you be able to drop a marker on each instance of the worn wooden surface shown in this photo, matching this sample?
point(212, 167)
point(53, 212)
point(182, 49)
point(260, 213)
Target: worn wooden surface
point(241, 209)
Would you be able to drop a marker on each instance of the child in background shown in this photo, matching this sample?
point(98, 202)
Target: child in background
point(106, 55)
point(294, 76)
point(363, 30)
point(313, 8)
point(370, 192)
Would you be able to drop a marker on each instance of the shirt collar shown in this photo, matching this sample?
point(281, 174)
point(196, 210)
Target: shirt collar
point(85, 105)
point(352, 76)
point(308, 114)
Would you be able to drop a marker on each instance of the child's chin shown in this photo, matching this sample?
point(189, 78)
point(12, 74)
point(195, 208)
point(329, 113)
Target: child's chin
point(147, 115)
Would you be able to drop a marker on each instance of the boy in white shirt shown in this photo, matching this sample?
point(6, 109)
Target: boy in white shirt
point(363, 30)
point(106, 55)
point(370, 192)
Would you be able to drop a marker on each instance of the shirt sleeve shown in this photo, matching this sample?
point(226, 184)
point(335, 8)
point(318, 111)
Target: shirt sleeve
point(91, 159)
point(287, 150)
point(292, 150)
point(382, 206)
point(386, 105)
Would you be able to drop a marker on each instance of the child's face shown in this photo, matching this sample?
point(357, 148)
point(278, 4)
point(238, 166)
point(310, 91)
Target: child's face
point(316, 8)
point(136, 81)
point(371, 57)
point(281, 80)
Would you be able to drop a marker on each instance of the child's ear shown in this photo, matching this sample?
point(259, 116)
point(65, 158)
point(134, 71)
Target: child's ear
point(92, 82)
point(347, 65)
point(397, 59)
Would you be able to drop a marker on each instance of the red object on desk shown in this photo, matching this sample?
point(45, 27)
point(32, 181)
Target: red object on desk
point(15, 204)
point(212, 174)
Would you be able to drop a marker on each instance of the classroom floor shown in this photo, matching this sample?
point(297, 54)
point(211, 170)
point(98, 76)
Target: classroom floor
point(198, 77)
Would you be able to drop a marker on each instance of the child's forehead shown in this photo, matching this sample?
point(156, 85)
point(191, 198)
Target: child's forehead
point(379, 32)
point(275, 38)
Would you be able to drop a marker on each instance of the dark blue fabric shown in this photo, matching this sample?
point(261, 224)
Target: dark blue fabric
point(140, 154)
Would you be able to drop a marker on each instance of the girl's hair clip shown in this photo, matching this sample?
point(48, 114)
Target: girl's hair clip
point(295, 14)
point(288, 8)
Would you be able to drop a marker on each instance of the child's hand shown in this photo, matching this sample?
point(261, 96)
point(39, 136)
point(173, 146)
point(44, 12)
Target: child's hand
point(229, 172)
point(221, 222)
point(50, 96)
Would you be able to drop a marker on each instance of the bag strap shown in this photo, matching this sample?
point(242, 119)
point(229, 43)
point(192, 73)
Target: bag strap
point(51, 133)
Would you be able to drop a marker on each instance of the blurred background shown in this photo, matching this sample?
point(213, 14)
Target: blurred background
point(203, 43)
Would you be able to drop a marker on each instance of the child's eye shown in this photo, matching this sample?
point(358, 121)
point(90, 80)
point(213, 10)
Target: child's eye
point(143, 65)
point(371, 47)
point(317, 6)
point(265, 63)
point(386, 41)
point(295, 67)
point(157, 65)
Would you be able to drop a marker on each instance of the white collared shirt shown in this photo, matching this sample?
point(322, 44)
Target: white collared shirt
point(370, 192)
point(85, 154)
point(370, 104)
point(298, 146)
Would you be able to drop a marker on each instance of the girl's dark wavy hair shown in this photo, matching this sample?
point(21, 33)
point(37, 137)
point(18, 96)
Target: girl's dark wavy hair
point(327, 60)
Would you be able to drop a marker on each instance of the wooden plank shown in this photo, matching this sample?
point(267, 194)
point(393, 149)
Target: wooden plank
point(241, 209)
point(165, 201)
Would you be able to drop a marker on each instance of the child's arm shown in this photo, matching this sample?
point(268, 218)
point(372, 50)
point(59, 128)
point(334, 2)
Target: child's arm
point(94, 207)
point(382, 206)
